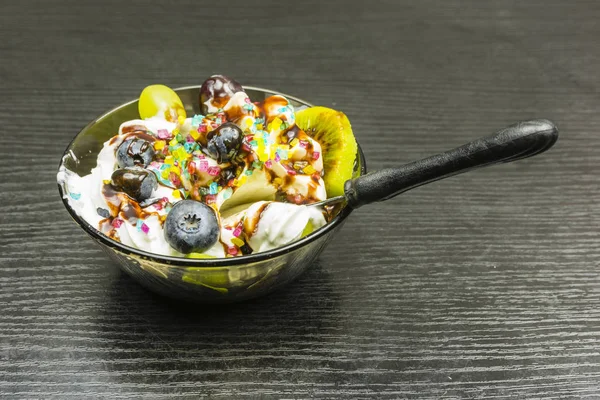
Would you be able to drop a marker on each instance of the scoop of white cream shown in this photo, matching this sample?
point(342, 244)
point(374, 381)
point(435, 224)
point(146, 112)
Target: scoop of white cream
point(268, 225)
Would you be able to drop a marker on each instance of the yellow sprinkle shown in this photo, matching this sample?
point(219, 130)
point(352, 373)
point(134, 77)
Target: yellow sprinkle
point(177, 194)
point(284, 147)
point(242, 180)
point(248, 122)
point(194, 133)
point(174, 169)
point(275, 124)
point(175, 131)
point(181, 154)
point(237, 241)
point(263, 156)
point(106, 181)
point(169, 160)
point(181, 119)
point(159, 145)
point(165, 174)
point(309, 170)
point(294, 142)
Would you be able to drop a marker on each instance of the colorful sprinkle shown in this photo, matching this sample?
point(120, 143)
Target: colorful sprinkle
point(159, 144)
point(145, 228)
point(203, 166)
point(197, 120)
point(213, 188)
point(316, 155)
point(117, 223)
point(294, 142)
point(309, 170)
point(189, 147)
point(214, 171)
point(304, 143)
point(237, 241)
point(237, 231)
point(248, 172)
point(75, 196)
point(194, 134)
point(210, 199)
point(163, 134)
point(268, 163)
point(176, 194)
point(106, 181)
point(232, 251)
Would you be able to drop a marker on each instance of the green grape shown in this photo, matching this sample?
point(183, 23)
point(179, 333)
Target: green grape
point(161, 100)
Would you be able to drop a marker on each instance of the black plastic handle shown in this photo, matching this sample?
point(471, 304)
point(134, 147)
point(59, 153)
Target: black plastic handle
point(518, 141)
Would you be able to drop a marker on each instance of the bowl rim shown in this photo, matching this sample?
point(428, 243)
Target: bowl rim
point(181, 262)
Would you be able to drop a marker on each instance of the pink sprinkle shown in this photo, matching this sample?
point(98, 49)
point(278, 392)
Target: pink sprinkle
point(117, 223)
point(237, 232)
point(247, 100)
point(202, 128)
point(189, 139)
point(163, 134)
point(158, 206)
point(214, 171)
point(232, 251)
point(303, 143)
point(154, 164)
point(203, 166)
point(165, 199)
point(277, 158)
point(210, 198)
point(316, 155)
point(268, 163)
point(246, 148)
point(145, 228)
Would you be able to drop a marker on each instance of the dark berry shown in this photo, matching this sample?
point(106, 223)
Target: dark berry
point(191, 227)
point(224, 142)
point(216, 92)
point(137, 183)
point(135, 152)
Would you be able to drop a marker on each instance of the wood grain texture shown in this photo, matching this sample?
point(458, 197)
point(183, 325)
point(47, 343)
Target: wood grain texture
point(485, 285)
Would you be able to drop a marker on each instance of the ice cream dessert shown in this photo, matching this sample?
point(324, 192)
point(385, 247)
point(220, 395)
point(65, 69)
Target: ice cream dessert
point(232, 180)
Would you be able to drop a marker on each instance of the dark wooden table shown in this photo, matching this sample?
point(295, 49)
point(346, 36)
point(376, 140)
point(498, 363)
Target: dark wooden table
point(484, 285)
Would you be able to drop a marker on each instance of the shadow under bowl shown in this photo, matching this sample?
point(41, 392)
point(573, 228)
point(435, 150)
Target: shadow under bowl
point(223, 280)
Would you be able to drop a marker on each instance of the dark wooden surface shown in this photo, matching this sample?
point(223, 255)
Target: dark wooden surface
point(485, 285)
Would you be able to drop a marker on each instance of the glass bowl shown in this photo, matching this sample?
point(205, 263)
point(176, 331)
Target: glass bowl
point(223, 280)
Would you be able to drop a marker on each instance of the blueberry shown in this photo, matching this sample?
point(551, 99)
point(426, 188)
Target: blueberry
point(191, 227)
point(217, 90)
point(135, 152)
point(136, 182)
point(224, 142)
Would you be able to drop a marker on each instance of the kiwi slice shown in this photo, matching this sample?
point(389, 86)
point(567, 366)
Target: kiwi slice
point(332, 130)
